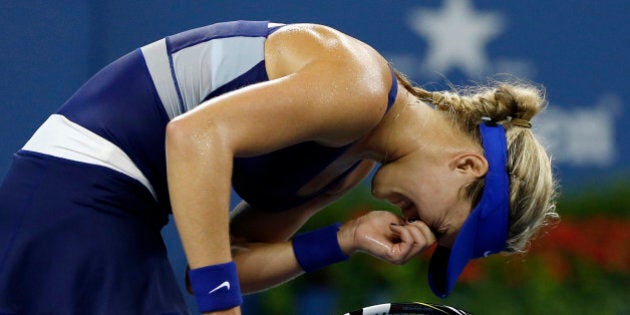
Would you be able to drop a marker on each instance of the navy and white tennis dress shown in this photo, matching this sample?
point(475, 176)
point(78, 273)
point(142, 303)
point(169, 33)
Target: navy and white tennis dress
point(82, 206)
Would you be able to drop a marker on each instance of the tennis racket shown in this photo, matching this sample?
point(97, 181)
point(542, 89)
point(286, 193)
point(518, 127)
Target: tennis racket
point(408, 308)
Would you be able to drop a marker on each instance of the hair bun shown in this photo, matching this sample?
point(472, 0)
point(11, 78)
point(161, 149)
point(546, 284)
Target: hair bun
point(521, 102)
point(519, 122)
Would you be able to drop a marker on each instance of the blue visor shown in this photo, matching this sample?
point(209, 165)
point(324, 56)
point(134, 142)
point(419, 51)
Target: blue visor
point(485, 230)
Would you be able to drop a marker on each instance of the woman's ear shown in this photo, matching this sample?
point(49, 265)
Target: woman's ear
point(471, 164)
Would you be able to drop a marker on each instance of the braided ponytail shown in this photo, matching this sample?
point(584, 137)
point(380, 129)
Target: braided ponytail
point(513, 105)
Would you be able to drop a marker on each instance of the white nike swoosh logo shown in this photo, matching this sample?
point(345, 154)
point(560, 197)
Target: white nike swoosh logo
point(225, 284)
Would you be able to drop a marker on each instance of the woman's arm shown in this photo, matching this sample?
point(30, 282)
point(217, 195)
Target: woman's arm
point(264, 265)
point(381, 234)
point(259, 239)
point(318, 102)
point(315, 104)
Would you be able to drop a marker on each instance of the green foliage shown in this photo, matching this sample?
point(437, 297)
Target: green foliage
point(552, 280)
point(613, 199)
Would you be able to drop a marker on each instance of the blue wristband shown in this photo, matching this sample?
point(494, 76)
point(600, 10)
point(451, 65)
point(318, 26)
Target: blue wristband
point(319, 248)
point(216, 287)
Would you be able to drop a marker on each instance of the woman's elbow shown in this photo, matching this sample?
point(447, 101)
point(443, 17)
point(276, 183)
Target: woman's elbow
point(185, 136)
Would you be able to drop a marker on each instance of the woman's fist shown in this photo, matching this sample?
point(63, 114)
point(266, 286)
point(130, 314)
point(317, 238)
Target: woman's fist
point(385, 235)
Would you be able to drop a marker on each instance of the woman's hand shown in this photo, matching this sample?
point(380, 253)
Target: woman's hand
point(385, 235)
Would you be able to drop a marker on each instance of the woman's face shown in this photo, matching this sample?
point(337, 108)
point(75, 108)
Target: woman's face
point(428, 190)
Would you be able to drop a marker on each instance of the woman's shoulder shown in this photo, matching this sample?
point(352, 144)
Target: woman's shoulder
point(294, 46)
point(333, 72)
point(308, 33)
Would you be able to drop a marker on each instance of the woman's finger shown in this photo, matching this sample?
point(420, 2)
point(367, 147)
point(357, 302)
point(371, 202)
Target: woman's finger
point(414, 238)
point(426, 231)
point(402, 245)
point(422, 238)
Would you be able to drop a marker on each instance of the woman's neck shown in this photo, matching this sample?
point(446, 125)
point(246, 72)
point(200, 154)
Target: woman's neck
point(411, 125)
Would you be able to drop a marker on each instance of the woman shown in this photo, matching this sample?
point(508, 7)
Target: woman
point(292, 116)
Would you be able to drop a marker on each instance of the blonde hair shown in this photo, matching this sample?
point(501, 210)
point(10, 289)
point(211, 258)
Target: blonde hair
point(533, 189)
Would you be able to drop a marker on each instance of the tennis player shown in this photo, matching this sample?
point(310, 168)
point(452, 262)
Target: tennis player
point(292, 116)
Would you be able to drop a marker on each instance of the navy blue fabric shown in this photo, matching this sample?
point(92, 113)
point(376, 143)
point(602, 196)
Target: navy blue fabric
point(216, 287)
point(270, 182)
point(319, 248)
point(218, 30)
point(81, 239)
point(120, 104)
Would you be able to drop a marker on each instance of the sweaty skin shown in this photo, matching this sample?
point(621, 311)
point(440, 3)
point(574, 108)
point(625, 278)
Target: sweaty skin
point(315, 72)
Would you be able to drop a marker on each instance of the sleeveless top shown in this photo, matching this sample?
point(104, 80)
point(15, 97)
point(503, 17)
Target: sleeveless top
point(118, 118)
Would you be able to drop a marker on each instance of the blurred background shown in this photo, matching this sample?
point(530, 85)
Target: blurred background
point(578, 49)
